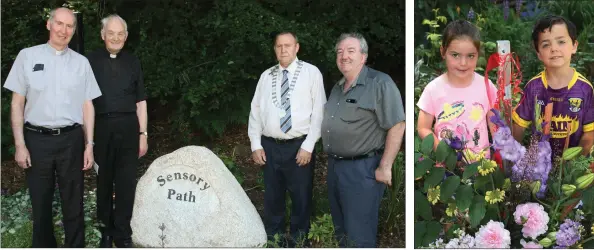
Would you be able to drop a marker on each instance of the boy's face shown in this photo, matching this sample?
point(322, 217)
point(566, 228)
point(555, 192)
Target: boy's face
point(555, 47)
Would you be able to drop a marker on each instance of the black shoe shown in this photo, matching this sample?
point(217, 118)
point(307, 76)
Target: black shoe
point(106, 241)
point(125, 243)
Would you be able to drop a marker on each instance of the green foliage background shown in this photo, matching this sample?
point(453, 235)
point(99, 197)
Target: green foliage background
point(202, 59)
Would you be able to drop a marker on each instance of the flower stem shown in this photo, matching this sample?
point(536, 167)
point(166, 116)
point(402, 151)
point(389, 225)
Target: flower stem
point(541, 202)
point(588, 239)
point(493, 185)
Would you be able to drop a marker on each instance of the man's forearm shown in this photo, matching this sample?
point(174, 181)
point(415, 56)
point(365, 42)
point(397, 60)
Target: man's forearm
point(393, 143)
point(17, 119)
point(88, 120)
point(141, 112)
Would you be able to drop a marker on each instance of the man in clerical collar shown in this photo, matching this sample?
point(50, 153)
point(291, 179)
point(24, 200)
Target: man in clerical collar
point(52, 117)
point(121, 131)
point(362, 132)
point(284, 126)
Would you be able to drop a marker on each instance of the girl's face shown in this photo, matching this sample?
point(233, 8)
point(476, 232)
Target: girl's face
point(460, 57)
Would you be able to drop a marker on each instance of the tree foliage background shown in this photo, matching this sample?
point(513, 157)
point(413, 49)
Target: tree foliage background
point(202, 59)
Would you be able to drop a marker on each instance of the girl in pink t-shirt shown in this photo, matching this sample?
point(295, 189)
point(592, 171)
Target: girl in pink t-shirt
point(457, 100)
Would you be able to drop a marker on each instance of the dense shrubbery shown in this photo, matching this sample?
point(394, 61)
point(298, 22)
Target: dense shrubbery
point(204, 58)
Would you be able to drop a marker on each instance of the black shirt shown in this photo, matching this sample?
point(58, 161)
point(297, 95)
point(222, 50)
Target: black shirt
point(120, 80)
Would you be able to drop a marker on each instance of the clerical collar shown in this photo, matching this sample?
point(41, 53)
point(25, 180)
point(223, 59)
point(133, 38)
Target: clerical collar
point(55, 51)
point(113, 55)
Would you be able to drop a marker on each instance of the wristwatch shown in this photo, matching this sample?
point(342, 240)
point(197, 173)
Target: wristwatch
point(143, 133)
point(92, 143)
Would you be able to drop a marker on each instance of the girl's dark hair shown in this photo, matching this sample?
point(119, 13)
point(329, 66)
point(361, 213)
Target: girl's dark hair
point(546, 23)
point(460, 29)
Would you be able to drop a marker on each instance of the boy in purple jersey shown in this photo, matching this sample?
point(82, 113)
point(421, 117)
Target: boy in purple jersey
point(554, 39)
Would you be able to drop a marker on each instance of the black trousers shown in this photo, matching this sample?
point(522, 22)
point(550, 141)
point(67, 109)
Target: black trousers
point(58, 156)
point(116, 153)
point(281, 173)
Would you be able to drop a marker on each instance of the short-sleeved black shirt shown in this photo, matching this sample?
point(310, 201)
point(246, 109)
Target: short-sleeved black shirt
point(120, 80)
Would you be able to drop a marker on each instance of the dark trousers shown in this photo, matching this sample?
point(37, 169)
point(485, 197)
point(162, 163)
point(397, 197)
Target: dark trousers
point(116, 153)
point(58, 156)
point(281, 173)
point(355, 198)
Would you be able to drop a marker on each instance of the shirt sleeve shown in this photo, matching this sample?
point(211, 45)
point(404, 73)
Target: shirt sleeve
point(140, 90)
point(16, 80)
point(318, 95)
point(92, 90)
point(492, 94)
point(588, 105)
point(255, 121)
point(522, 114)
point(425, 102)
point(389, 109)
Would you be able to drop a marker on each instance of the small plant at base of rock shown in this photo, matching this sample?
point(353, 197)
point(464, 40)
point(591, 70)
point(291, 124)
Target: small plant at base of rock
point(321, 232)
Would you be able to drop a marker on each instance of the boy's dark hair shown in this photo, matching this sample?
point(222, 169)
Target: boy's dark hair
point(461, 29)
point(546, 23)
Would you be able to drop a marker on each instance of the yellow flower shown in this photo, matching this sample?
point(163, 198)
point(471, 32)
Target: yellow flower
point(474, 157)
point(451, 210)
point(592, 229)
point(458, 9)
point(433, 194)
point(495, 196)
point(487, 167)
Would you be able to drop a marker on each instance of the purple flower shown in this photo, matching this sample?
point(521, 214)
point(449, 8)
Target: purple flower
point(455, 143)
point(518, 6)
point(470, 14)
point(568, 234)
point(505, 9)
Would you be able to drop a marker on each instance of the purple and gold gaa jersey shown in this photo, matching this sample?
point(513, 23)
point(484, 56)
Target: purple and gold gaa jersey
point(573, 104)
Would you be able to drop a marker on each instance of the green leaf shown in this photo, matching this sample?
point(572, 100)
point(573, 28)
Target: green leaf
point(422, 207)
point(451, 161)
point(480, 183)
point(420, 230)
point(571, 202)
point(450, 232)
point(499, 178)
point(435, 176)
point(588, 200)
point(417, 156)
point(477, 210)
point(422, 167)
point(448, 187)
point(433, 229)
point(470, 170)
point(442, 151)
point(427, 145)
point(464, 196)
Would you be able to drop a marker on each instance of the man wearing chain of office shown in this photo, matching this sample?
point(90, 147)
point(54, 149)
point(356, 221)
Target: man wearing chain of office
point(284, 126)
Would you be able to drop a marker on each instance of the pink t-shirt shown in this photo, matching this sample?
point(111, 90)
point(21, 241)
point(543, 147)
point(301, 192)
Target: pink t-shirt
point(460, 112)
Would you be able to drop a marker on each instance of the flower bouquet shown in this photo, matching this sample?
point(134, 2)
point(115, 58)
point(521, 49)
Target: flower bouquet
point(466, 201)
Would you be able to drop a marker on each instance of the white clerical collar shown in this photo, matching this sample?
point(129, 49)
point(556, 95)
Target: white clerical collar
point(113, 55)
point(55, 51)
point(291, 68)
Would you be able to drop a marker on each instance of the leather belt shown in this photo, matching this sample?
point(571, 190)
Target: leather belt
point(358, 157)
point(50, 131)
point(284, 141)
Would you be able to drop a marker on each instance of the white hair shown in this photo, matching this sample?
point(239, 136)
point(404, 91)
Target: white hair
point(52, 14)
point(106, 20)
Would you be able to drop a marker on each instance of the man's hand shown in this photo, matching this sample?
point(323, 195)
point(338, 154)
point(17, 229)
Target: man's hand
point(383, 174)
point(89, 158)
point(143, 146)
point(22, 157)
point(303, 157)
point(259, 157)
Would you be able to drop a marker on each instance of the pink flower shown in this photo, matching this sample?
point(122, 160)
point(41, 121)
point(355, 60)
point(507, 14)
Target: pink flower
point(534, 219)
point(492, 235)
point(530, 244)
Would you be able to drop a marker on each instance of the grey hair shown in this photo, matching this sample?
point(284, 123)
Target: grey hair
point(52, 14)
point(358, 36)
point(106, 20)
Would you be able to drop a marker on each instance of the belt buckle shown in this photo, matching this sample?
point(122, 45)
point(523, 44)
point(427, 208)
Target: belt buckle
point(55, 129)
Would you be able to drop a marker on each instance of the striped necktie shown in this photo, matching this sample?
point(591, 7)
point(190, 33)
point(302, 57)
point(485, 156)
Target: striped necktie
point(285, 121)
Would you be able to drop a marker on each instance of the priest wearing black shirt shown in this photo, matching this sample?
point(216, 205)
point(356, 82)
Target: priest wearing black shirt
point(120, 131)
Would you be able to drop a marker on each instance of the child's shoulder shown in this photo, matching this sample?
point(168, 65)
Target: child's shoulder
point(535, 82)
point(582, 82)
point(436, 83)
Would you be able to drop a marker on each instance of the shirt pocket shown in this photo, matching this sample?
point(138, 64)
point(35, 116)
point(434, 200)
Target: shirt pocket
point(354, 112)
point(37, 80)
point(72, 87)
